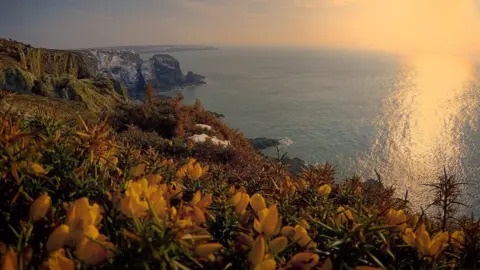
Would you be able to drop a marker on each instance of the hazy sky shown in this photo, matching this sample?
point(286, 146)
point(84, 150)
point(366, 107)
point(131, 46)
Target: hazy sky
point(452, 25)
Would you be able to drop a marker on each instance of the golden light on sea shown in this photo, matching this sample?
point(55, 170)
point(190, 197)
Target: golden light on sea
point(423, 119)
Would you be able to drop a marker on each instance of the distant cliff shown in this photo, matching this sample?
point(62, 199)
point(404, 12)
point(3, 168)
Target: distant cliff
point(162, 71)
point(97, 77)
point(55, 73)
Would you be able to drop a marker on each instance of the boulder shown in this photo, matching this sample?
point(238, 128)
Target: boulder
point(263, 143)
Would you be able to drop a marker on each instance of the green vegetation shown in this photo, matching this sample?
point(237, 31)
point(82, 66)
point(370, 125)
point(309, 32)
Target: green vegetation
point(131, 191)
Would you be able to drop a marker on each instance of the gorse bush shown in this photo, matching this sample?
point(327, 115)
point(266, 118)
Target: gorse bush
point(107, 195)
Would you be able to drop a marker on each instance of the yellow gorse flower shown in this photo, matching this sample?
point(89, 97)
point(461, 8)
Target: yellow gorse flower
point(422, 242)
point(397, 218)
point(140, 193)
point(324, 189)
point(10, 261)
point(343, 215)
point(458, 240)
point(80, 225)
point(39, 207)
point(268, 222)
point(304, 260)
point(240, 201)
point(205, 250)
point(58, 261)
point(192, 169)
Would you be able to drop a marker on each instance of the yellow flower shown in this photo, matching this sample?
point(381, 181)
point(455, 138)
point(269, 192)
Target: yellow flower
point(324, 189)
point(267, 265)
point(422, 242)
point(302, 184)
point(133, 206)
point(93, 253)
point(154, 179)
point(140, 193)
point(458, 240)
point(278, 244)
point(58, 238)
point(288, 188)
point(240, 200)
point(37, 169)
point(58, 261)
point(82, 213)
point(397, 218)
point(255, 257)
point(10, 261)
point(288, 231)
point(138, 170)
point(257, 202)
point(201, 202)
point(39, 207)
point(304, 224)
point(304, 261)
point(195, 171)
point(343, 215)
point(81, 220)
point(204, 250)
point(302, 238)
point(269, 222)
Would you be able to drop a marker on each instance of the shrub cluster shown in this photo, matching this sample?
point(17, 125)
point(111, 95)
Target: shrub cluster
point(107, 196)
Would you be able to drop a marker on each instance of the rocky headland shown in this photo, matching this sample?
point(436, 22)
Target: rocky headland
point(98, 78)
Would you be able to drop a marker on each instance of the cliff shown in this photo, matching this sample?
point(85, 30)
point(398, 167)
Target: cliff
point(99, 78)
point(162, 71)
point(57, 74)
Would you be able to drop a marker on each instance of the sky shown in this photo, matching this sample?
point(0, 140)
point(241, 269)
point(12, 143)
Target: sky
point(392, 25)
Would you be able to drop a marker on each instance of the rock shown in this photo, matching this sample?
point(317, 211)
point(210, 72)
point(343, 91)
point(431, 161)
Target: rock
point(295, 165)
point(55, 73)
point(217, 115)
point(121, 66)
point(40, 61)
point(194, 79)
point(263, 143)
point(203, 126)
point(201, 138)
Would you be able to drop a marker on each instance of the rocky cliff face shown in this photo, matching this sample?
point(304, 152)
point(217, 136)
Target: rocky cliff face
point(40, 61)
point(55, 73)
point(81, 74)
point(162, 71)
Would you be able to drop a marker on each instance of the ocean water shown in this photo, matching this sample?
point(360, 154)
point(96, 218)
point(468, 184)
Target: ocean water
point(407, 117)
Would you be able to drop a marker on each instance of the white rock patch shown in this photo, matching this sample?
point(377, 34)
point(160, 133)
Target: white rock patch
point(201, 138)
point(203, 126)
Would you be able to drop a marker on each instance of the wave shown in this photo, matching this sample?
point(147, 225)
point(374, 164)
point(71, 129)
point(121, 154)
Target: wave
point(285, 141)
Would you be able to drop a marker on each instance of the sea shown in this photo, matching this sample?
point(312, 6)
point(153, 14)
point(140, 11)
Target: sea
point(407, 117)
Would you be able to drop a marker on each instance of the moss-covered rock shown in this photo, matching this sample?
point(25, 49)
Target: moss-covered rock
point(39, 61)
point(16, 79)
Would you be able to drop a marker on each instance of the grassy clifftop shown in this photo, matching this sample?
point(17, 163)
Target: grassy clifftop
point(133, 190)
point(40, 61)
point(57, 74)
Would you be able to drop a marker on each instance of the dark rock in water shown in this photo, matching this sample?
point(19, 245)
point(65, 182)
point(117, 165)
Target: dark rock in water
point(194, 79)
point(295, 165)
point(163, 72)
point(263, 143)
point(218, 115)
point(372, 184)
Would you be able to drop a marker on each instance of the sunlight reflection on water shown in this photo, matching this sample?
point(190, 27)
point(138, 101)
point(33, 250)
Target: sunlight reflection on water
point(423, 124)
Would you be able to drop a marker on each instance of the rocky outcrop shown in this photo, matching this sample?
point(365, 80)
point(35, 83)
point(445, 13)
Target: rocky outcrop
point(56, 73)
point(263, 143)
point(40, 61)
point(121, 66)
point(163, 72)
point(60, 73)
